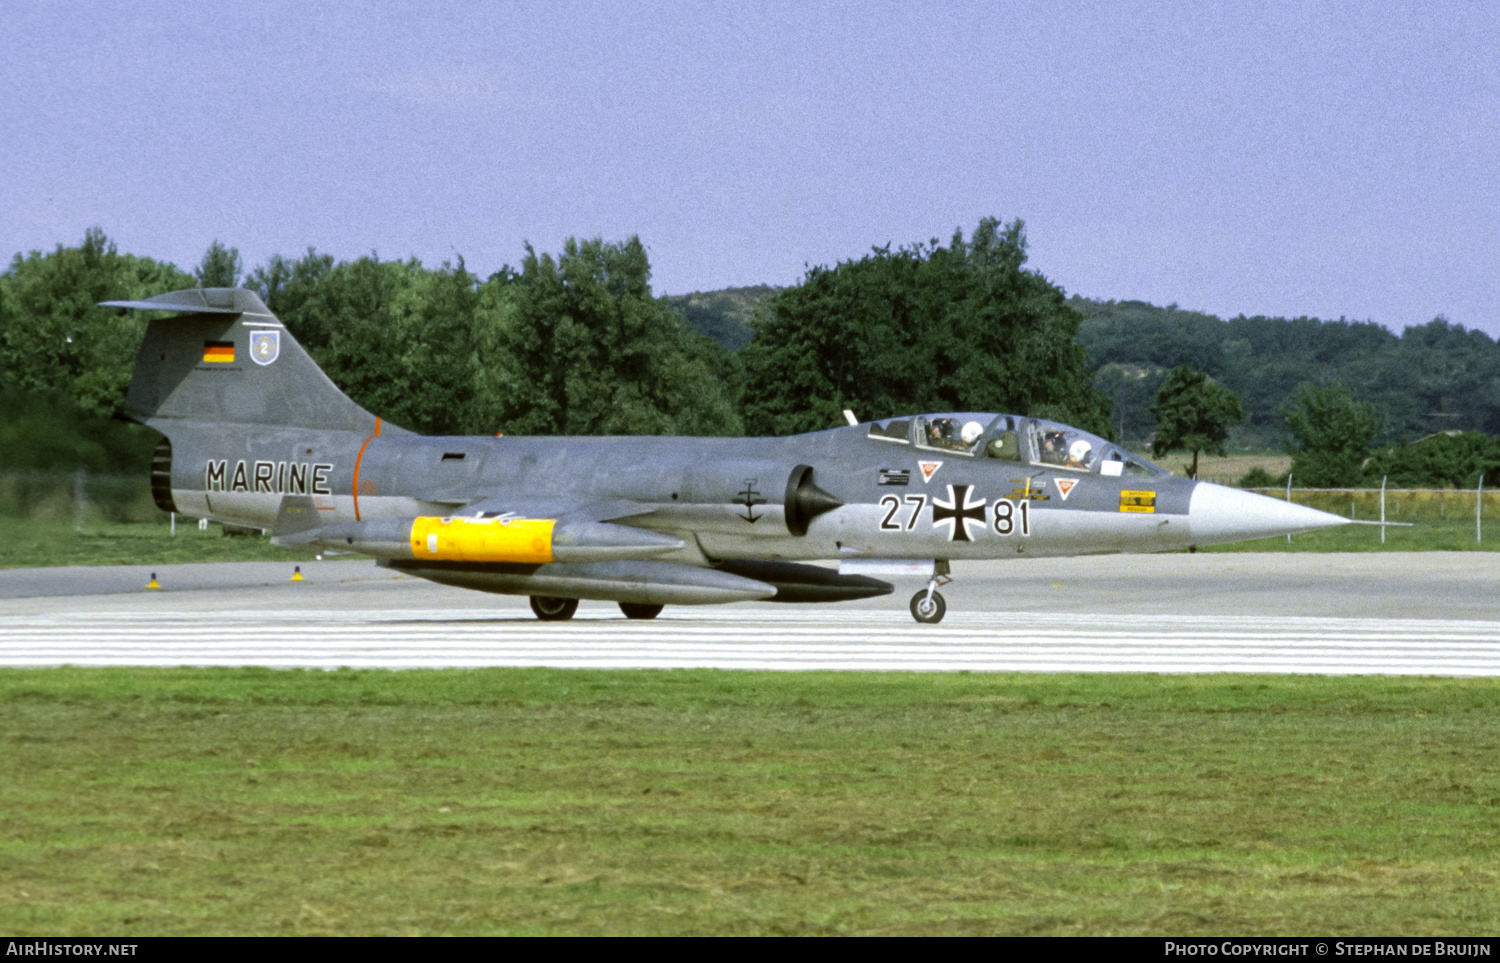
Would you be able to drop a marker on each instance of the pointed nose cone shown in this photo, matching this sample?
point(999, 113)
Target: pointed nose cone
point(1220, 514)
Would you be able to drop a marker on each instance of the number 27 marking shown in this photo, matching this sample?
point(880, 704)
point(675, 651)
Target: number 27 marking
point(892, 505)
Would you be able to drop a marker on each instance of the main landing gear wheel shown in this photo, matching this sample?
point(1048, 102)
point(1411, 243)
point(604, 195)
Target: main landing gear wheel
point(928, 609)
point(640, 610)
point(550, 609)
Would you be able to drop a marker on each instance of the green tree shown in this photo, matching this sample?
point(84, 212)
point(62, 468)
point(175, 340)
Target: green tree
point(923, 328)
point(395, 336)
point(578, 345)
point(220, 267)
point(1332, 434)
point(286, 287)
point(56, 341)
point(1194, 413)
point(65, 362)
point(1452, 459)
point(49, 433)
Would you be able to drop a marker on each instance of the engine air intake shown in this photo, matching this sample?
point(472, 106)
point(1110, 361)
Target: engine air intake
point(805, 501)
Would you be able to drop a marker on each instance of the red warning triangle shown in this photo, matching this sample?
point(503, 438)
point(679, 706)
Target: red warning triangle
point(929, 468)
point(1065, 486)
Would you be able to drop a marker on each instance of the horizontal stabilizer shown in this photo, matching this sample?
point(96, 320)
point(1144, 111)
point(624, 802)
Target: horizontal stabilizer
point(198, 301)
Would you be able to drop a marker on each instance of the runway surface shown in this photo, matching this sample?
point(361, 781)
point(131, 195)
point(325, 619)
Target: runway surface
point(1428, 614)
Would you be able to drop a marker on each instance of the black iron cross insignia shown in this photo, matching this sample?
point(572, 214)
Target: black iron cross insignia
point(958, 512)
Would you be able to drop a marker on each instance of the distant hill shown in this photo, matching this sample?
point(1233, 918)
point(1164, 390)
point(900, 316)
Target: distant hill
point(724, 315)
point(1431, 377)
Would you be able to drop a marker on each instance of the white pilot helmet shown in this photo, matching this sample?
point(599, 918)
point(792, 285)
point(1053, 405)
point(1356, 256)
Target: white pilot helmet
point(971, 432)
point(1079, 450)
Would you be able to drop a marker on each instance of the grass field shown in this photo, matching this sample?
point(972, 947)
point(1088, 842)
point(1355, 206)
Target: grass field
point(1225, 469)
point(28, 543)
point(140, 801)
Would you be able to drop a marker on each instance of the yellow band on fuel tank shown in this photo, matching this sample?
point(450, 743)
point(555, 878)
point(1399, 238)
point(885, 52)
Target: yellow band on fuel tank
point(482, 539)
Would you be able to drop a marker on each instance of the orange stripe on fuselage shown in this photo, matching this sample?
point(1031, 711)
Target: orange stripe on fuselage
point(357, 459)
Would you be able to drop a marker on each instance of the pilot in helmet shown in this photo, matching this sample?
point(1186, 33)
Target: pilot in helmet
point(970, 433)
point(1078, 453)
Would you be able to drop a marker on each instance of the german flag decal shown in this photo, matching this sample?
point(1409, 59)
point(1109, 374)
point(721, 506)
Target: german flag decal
point(218, 352)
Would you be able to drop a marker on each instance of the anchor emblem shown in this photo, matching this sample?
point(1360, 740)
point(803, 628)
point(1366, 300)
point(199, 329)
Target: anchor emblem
point(750, 498)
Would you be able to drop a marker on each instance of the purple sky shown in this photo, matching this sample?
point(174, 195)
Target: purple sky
point(1279, 158)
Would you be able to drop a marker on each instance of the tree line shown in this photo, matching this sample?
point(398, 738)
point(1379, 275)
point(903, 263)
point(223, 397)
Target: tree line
point(577, 343)
point(569, 343)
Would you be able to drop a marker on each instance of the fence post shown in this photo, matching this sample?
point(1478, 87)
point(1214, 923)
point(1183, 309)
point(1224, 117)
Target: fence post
point(1479, 511)
point(80, 499)
point(1382, 508)
point(1289, 498)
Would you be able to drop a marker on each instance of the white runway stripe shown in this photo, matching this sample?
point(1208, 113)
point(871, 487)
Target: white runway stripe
point(759, 638)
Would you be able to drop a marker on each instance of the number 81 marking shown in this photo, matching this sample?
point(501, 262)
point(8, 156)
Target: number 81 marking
point(1006, 512)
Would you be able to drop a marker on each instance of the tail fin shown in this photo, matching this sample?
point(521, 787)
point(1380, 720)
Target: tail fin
point(226, 359)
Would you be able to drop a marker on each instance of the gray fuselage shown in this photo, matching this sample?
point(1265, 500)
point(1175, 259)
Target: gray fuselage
point(725, 495)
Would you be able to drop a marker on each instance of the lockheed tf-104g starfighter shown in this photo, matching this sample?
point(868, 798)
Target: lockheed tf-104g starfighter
point(255, 434)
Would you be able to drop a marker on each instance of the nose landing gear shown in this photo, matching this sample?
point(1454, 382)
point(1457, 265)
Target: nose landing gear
point(928, 605)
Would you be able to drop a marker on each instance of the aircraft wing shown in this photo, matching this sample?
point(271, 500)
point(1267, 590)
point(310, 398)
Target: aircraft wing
point(561, 509)
point(493, 529)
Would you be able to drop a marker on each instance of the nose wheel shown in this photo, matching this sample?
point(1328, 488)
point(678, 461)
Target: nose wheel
point(928, 607)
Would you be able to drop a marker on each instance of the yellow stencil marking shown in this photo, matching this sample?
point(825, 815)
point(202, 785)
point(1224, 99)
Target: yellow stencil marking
point(1144, 502)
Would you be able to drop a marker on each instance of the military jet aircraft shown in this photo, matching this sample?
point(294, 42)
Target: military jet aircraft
point(255, 434)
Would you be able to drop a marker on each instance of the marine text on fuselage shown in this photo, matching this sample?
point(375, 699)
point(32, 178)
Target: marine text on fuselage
point(274, 477)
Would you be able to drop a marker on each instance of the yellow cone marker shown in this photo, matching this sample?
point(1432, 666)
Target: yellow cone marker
point(297, 574)
point(153, 584)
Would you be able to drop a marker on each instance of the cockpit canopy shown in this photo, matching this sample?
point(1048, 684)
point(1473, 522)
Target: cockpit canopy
point(1035, 441)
